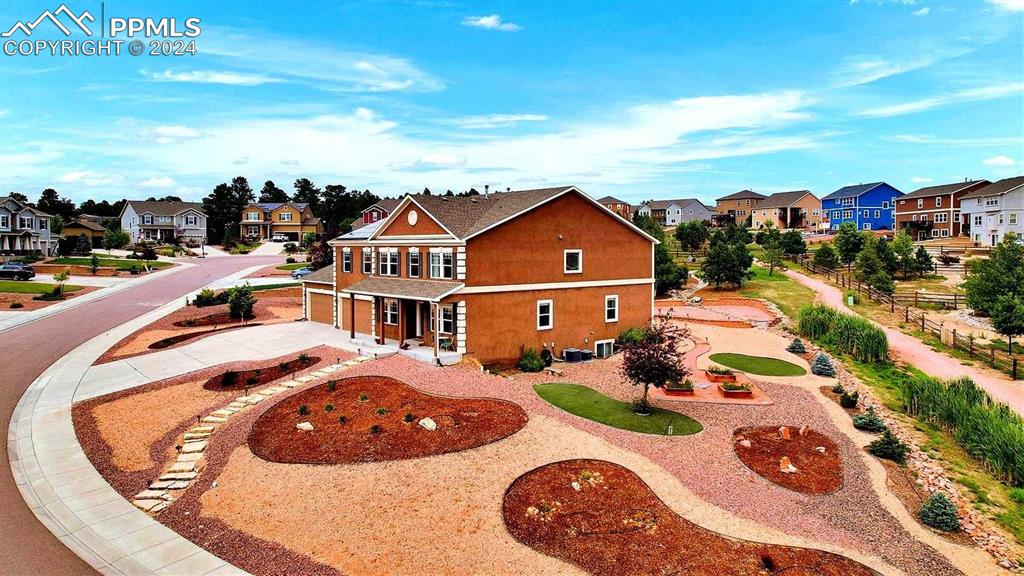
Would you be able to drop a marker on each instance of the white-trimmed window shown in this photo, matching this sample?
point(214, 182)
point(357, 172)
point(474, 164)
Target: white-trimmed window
point(414, 263)
point(935, 232)
point(448, 319)
point(938, 201)
point(867, 213)
point(1000, 218)
point(572, 261)
point(286, 216)
point(866, 226)
point(878, 213)
point(944, 232)
point(920, 203)
point(164, 219)
point(367, 261)
point(5, 221)
point(254, 230)
point(941, 218)
point(914, 217)
point(611, 308)
point(388, 261)
point(346, 260)
point(992, 201)
point(252, 216)
point(545, 314)
point(391, 311)
point(847, 213)
point(604, 348)
point(43, 223)
point(924, 217)
point(1013, 218)
point(191, 220)
point(147, 218)
point(977, 220)
point(441, 265)
point(885, 204)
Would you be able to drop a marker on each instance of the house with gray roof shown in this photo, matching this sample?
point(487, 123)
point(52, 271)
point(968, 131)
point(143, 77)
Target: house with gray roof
point(675, 212)
point(990, 212)
point(161, 221)
point(24, 229)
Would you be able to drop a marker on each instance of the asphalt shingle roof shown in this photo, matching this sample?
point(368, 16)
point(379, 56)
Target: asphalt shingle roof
point(1000, 187)
point(403, 287)
point(466, 215)
point(386, 204)
point(86, 224)
point(610, 200)
point(164, 208)
point(940, 189)
point(271, 206)
point(663, 204)
point(852, 191)
point(783, 199)
point(324, 275)
point(741, 195)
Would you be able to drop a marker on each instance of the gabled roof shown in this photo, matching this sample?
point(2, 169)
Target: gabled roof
point(467, 216)
point(783, 199)
point(361, 231)
point(25, 206)
point(610, 200)
point(941, 190)
point(157, 208)
point(852, 191)
point(742, 195)
point(1001, 187)
point(385, 204)
point(86, 224)
point(663, 204)
point(271, 206)
point(324, 275)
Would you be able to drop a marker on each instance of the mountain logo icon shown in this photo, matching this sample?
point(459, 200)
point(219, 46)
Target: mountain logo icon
point(28, 28)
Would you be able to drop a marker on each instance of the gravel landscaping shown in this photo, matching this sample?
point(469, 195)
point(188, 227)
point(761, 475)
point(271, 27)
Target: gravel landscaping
point(812, 464)
point(605, 519)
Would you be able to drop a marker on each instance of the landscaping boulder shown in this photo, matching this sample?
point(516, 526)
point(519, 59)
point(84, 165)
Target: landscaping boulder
point(305, 426)
point(784, 432)
point(786, 465)
point(428, 424)
point(745, 443)
point(803, 430)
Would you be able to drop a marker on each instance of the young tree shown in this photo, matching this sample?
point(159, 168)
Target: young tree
point(826, 257)
point(792, 243)
point(772, 256)
point(882, 282)
point(1001, 274)
point(115, 239)
point(320, 255)
point(767, 235)
point(886, 256)
point(868, 263)
point(56, 225)
point(307, 239)
point(1008, 317)
point(692, 235)
point(923, 263)
point(271, 193)
point(82, 245)
point(726, 263)
point(94, 264)
point(655, 361)
point(241, 302)
point(848, 243)
point(62, 277)
point(903, 250)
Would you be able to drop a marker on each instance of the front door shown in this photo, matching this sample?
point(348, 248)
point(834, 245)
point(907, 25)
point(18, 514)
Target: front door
point(995, 240)
point(411, 314)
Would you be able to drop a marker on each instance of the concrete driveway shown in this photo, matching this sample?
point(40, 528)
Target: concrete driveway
point(268, 249)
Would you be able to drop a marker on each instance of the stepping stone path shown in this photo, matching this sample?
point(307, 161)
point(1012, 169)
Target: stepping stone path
point(186, 467)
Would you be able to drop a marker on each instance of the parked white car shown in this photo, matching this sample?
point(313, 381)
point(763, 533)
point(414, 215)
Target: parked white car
point(279, 238)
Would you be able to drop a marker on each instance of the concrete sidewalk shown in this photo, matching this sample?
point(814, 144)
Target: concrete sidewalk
point(102, 281)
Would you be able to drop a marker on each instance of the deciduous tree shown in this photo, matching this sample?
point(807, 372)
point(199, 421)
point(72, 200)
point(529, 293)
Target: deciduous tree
point(655, 361)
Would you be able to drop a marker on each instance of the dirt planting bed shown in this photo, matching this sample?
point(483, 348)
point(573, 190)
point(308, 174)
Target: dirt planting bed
point(28, 302)
point(375, 418)
point(189, 336)
point(235, 380)
point(218, 319)
point(817, 471)
point(606, 520)
point(902, 484)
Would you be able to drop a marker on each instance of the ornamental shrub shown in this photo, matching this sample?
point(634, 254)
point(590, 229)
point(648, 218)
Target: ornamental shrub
point(939, 513)
point(889, 447)
point(796, 347)
point(848, 400)
point(869, 421)
point(241, 302)
point(634, 335)
point(822, 365)
point(530, 361)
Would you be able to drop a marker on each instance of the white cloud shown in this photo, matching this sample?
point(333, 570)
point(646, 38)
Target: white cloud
point(1010, 5)
point(922, 12)
point(4, 113)
point(999, 161)
point(170, 134)
point(442, 160)
point(489, 121)
point(856, 71)
point(492, 22)
point(209, 77)
point(928, 139)
point(90, 178)
point(969, 95)
point(920, 180)
point(158, 182)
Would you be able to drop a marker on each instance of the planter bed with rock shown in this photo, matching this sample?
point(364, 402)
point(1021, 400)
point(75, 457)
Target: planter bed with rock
point(797, 458)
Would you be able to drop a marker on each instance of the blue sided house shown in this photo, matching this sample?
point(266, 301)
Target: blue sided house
point(869, 206)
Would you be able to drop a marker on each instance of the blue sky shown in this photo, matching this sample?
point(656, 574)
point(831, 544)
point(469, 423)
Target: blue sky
point(639, 100)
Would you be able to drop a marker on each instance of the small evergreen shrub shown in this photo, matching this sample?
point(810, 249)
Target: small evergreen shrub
point(838, 389)
point(376, 429)
point(719, 370)
point(363, 397)
point(303, 358)
point(289, 260)
point(796, 347)
point(342, 419)
point(241, 302)
point(229, 378)
point(251, 381)
point(409, 417)
point(889, 447)
point(16, 305)
point(332, 386)
point(869, 421)
point(382, 411)
point(822, 365)
point(848, 400)
point(531, 361)
point(328, 407)
point(303, 410)
point(633, 335)
point(939, 513)
point(207, 297)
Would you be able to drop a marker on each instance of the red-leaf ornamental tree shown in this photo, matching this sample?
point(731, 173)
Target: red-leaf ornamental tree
point(655, 360)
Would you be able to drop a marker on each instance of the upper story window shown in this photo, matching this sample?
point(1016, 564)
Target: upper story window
point(920, 202)
point(374, 216)
point(848, 201)
point(286, 216)
point(25, 222)
point(252, 216)
point(388, 258)
point(902, 202)
point(572, 261)
point(414, 263)
point(147, 218)
point(346, 260)
point(5, 221)
point(992, 201)
point(545, 315)
point(367, 261)
point(165, 219)
point(938, 201)
point(611, 308)
point(885, 205)
point(42, 223)
point(441, 265)
point(191, 220)
point(878, 213)
point(867, 213)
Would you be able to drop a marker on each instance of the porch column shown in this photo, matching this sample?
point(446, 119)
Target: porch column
point(436, 311)
point(352, 316)
point(380, 319)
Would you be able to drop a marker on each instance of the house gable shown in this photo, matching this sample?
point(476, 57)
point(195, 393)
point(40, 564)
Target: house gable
point(402, 223)
point(296, 214)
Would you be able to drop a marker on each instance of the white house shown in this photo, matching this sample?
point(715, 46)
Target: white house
point(161, 221)
point(674, 212)
point(24, 229)
point(988, 213)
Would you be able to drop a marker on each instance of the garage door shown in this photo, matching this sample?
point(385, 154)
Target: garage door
point(319, 308)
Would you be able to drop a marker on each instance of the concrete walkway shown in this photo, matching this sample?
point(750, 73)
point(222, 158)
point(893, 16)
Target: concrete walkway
point(210, 251)
point(917, 353)
point(268, 249)
point(84, 280)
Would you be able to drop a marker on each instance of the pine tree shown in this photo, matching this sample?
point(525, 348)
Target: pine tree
point(923, 263)
point(822, 365)
point(826, 257)
point(796, 347)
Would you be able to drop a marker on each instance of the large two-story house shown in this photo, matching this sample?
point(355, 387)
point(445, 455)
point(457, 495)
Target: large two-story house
point(624, 209)
point(868, 206)
point(737, 207)
point(490, 276)
point(934, 211)
point(24, 229)
point(675, 212)
point(162, 221)
point(265, 220)
point(989, 212)
point(799, 210)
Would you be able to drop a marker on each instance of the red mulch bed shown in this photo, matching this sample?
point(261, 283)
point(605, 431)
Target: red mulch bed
point(462, 423)
point(615, 524)
point(217, 319)
point(174, 340)
point(827, 391)
point(902, 484)
point(817, 473)
point(232, 380)
point(29, 303)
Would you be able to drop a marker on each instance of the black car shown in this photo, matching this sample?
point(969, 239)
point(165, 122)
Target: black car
point(16, 271)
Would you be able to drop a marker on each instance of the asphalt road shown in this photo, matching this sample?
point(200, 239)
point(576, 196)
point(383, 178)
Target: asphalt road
point(26, 546)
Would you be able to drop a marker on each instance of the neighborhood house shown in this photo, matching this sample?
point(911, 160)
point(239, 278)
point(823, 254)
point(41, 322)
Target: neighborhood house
point(377, 212)
point(799, 210)
point(490, 276)
point(934, 211)
point(160, 221)
point(675, 212)
point(868, 206)
point(288, 220)
point(737, 207)
point(621, 208)
point(991, 211)
point(24, 229)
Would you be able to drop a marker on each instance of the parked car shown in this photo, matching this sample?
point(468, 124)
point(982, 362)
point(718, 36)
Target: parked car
point(301, 273)
point(16, 271)
point(278, 238)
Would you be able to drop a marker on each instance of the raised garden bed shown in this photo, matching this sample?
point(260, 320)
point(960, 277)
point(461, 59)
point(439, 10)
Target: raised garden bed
point(171, 341)
point(714, 377)
point(817, 472)
point(237, 380)
point(735, 391)
point(604, 519)
point(375, 418)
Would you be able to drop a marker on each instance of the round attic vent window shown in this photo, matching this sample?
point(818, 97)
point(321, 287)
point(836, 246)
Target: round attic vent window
point(413, 217)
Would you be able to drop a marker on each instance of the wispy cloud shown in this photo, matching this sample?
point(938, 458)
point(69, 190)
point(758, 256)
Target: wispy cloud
point(969, 95)
point(922, 12)
point(209, 77)
point(999, 161)
point(492, 22)
point(489, 121)
point(170, 134)
point(920, 180)
point(1010, 5)
point(934, 140)
point(157, 182)
point(90, 178)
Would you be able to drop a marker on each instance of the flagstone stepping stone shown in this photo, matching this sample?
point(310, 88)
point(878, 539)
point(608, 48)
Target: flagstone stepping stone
point(182, 467)
point(304, 426)
point(290, 384)
point(148, 505)
point(304, 379)
point(201, 429)
point(275, 390)
point(319, 374)
point(362, 359)
point(214, 420)
point(179, 476)
point(220, 413)
point(349, 363)
point(161, 485)
point(237, 405)
point(158, 507)
point(151, 495)
point(193, 447)
point(190, 457)
point(178, 485)
point(196, 436)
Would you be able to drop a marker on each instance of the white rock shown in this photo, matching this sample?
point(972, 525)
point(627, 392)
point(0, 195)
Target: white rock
point(820, 449)
point(305, 426)
point(428, 424)
point(745, 443)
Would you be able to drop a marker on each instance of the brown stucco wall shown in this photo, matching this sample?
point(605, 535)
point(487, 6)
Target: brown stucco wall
point(320, 308)
point(424, 224)
point(529, 249)
point(498, 325)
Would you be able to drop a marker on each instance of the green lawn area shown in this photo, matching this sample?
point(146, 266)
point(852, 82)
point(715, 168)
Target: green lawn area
point(273, 286)
point(16, 287)
point(592, 405)
point(294, 266)
point(118, 263)
point(758, 364)
point(784, 292)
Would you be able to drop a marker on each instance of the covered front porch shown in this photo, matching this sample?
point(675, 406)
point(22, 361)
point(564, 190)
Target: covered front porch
point(25, 242)
point(410, 315)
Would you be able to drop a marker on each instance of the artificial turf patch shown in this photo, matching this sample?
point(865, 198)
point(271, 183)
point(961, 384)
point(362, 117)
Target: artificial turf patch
point(759, 365)
point(592, 405)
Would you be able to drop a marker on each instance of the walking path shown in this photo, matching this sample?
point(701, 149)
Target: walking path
point(26, 545)
point(917, 353)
